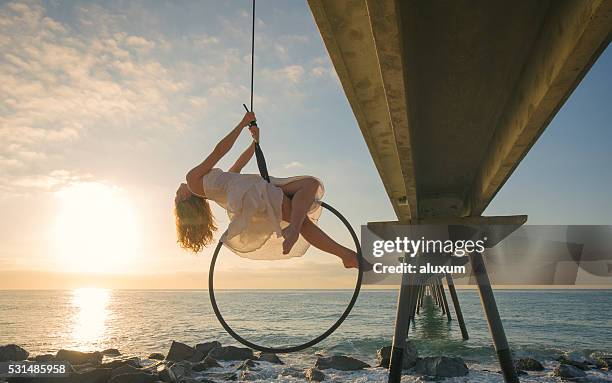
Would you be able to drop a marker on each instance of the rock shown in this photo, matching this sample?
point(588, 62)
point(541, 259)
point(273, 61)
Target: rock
point(134, 362)
point(42, 358)
point(528, 364)
point(12, 352)
point(602, 360)
point(156, 356)
point(111, 352)
point(125, 369)
point(314, 375)
point(246, 365)
point(91, 375)
point(579, 357)
point(136, 377)
point(441, 366)
point(180, 351)
point(208, 362)
point(269, 357)
point(164, 373)
point(231, 353)
point(340, 362)
point(250, 375)
point(293, 372)
point(411, 355)
point(78, 357)
point(174, 372)
point(215, 376)
point(580, 365)
point(206, 347)
point(568, 371)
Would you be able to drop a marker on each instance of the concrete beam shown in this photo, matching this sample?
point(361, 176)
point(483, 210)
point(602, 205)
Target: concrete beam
point(363, 41)
point(573, 36)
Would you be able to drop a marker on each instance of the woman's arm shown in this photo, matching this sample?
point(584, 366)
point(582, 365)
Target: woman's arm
point(195, 175)
point(244, 159)
point(246, 156)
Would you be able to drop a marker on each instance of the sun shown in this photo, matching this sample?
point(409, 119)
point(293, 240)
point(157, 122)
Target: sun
point(95, 229)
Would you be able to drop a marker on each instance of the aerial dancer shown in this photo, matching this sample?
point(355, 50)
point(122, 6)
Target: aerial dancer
point(275, 220)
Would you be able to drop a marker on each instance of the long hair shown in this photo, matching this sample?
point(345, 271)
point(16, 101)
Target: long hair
point(195, 223)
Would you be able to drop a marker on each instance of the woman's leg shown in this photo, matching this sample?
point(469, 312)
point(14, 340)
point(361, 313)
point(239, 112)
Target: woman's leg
point(319, 239)
point(302, 195)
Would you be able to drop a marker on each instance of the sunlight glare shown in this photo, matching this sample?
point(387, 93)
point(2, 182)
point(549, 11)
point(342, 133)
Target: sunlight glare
point(90, 317)
point(95, 228)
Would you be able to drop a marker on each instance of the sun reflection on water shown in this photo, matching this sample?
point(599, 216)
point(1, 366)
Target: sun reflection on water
point(90, 316)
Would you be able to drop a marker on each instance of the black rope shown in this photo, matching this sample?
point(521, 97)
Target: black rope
point(263, 171)
point(252, 53)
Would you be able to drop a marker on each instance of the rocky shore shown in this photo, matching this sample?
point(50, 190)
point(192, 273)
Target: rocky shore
point(213, 362)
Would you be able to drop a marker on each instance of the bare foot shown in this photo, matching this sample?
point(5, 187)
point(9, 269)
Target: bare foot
point(291, 236)
point(350, 261)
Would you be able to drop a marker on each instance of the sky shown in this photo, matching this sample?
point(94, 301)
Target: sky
point(105, 106)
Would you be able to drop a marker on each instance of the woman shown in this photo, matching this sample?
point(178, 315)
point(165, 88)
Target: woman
point(273, 220)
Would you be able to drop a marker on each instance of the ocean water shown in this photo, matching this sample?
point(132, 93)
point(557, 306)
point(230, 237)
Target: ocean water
point(538, 323)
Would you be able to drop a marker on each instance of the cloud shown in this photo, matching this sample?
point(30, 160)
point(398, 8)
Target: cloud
point(292, 74)
point(139, 42)
point(319, 71)
point(295, 39)
point(204, 40)
point(293, 165)
point(62, 85)
point(44, 182)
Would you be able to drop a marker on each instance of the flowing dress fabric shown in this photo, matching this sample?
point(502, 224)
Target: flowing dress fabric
point(254, 208)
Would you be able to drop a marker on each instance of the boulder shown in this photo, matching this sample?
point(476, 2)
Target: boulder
point(12, 352)
point(208, 362)
point(111, 352)
point(78, 357)
point(174, 372)
point(42, 358)
point(134, 362)
point(216, 376)
point(528, 364)
point(248, 375)
point(314, 375)
point(156, 356)
point(575, 363)
point(136, 377)
point(231, 353)
point(180, 351)
point(91, 375)
point(269, 357)
point(441, 367)
point(411, 355)
point(293, 372)
point(340, 362)
point(246, 365)
point(568, 371)
point(579, 357)
point(163, 373)
point(206, 347)
point(125, 369)
point(602, 360)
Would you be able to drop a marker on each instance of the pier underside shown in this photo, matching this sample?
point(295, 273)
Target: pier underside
point(451, 95)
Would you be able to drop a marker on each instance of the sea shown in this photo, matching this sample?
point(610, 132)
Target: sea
point(542, 324)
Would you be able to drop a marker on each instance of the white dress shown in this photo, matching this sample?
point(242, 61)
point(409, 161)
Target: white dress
point(254, 207)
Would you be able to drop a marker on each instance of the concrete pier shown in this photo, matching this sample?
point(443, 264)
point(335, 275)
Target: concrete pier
point(450, 96)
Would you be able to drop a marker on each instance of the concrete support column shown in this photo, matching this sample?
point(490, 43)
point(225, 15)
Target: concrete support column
point(496, 327)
